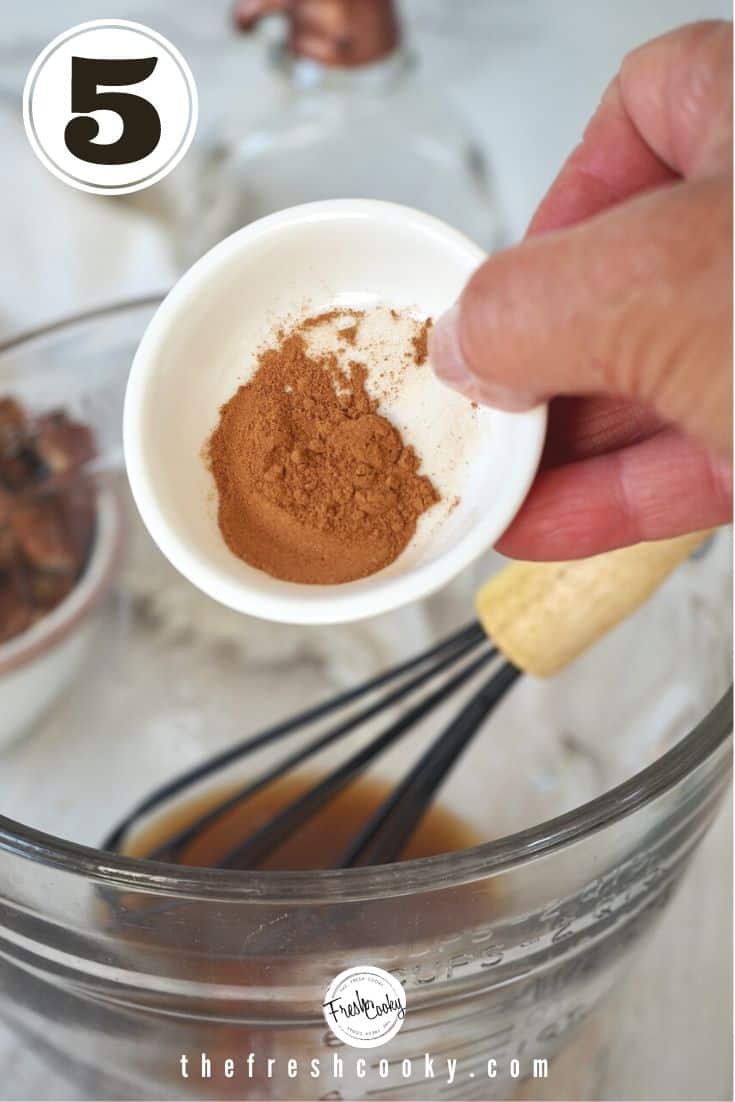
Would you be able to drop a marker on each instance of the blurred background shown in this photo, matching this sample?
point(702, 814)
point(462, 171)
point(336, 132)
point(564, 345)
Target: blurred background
point(525, 76)
point(496, 94)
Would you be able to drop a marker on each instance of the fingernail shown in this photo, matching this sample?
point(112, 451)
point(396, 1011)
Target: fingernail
point(447, 359)
point(487, 393)
point(445, 352)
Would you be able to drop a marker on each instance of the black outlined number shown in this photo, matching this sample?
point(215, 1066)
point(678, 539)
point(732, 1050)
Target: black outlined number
point(141, 122)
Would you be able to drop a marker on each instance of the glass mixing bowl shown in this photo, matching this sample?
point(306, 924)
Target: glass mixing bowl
point(587, 796)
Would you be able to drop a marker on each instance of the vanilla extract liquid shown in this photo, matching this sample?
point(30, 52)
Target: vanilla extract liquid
point(319, 844)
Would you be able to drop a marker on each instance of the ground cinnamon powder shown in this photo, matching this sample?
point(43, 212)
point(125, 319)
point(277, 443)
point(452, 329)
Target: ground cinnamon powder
point(421, 343)
point(314, 484)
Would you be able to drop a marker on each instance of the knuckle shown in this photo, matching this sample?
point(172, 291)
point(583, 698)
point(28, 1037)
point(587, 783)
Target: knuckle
point(676, 299)
point(702, 98)
point(681, 87)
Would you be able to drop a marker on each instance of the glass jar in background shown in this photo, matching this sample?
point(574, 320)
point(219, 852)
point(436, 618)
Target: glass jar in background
point(346, 116)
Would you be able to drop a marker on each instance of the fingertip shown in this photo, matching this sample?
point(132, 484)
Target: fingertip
point(450, 365)
point(445, 351)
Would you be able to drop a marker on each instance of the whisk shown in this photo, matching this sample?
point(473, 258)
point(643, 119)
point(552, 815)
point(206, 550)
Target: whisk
point(534, 618)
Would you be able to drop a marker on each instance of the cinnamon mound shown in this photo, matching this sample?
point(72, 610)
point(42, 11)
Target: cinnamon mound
point(314, 484)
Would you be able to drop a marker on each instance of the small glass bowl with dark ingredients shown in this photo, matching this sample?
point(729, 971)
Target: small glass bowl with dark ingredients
point(59, 542)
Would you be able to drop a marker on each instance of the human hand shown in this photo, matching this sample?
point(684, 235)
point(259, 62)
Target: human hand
point(618, 307)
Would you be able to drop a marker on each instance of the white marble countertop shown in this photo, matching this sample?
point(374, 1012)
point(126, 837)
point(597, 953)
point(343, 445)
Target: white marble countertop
point(537, 71)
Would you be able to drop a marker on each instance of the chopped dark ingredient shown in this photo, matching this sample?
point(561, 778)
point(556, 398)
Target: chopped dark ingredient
point(8, 547)
point(47, 590)
point(40, 529)
point(16, 614)
point(12, 426)
point(61, 443)
point(47, 512)
point(20, 470)
point(78, 506)
point(5, 502)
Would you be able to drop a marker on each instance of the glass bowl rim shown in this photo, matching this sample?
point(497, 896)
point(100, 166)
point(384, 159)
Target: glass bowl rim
point(350, 885)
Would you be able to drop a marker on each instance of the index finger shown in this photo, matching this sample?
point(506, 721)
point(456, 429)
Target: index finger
point(667, 114)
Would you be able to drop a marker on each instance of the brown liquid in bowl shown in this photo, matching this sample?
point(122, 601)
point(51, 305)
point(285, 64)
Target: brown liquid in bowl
point(319, 844)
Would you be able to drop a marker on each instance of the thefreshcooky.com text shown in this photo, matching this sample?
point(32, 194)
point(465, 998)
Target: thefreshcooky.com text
point(448, 1069)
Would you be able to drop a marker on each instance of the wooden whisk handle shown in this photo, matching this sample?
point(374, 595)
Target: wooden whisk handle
point(542, 615)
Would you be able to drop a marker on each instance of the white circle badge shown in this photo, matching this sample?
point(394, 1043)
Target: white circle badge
point(110, 106)
point(365, 1006)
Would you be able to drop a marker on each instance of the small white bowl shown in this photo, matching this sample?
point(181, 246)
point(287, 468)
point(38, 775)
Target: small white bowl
point(201, 345)
point(39, 663)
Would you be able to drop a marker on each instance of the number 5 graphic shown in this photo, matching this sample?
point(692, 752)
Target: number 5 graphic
point(130, 72)
point(141, 122)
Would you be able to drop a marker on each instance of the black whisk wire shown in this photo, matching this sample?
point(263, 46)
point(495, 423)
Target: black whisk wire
point(286, 822)
point(386, 833)
point(439, 657)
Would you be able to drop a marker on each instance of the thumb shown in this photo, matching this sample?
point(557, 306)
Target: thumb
point(635, 301)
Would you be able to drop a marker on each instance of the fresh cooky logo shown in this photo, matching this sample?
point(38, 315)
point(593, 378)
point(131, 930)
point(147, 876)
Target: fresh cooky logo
point(365, 1006)
point(110, 106)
